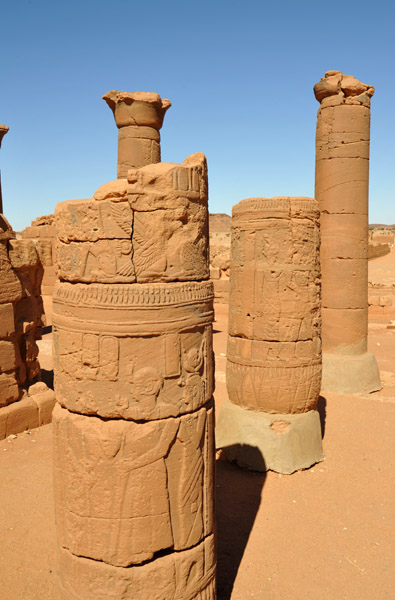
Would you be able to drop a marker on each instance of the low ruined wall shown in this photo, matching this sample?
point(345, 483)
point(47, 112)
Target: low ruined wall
point(381, 301)
point(42, 231)
point(220, 266)
point(25, 401)
point(377, 250)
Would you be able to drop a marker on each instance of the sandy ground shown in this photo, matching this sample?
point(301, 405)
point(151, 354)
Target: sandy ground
point(324, 533)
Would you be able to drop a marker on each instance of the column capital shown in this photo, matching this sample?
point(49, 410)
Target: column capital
point(145, 109)
point(3, 130)
point(336, 88)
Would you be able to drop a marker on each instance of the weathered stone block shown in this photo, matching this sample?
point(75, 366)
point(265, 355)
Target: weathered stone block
point(145, 485)
point(22, 253)
point(7, 324)
point(187, 574)
point(103, 335)
point(9, 356)
point(9, 391)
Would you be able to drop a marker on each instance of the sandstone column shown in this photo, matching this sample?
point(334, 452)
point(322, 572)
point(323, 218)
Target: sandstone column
point(3, 130)
point(139, 117)
point(341, 187)
point(133, 429)
point(274, 346)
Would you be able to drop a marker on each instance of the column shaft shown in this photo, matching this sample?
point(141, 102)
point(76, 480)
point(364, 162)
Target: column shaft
point(274, 344)
point(341, 184)
point(133, 428)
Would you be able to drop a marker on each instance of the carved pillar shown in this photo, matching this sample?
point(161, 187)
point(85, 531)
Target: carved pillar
point(139, 117)
point(270, 420)
point(3, 130)
point(341, 187)
point(133, 429)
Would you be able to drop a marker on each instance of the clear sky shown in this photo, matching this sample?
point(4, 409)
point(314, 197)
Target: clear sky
point(240, 77)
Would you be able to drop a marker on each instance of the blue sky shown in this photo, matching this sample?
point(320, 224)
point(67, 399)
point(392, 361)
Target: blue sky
point(240, 77)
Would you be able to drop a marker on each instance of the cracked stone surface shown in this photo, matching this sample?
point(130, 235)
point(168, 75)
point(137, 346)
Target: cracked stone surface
point(134, 372)
point(341, 187)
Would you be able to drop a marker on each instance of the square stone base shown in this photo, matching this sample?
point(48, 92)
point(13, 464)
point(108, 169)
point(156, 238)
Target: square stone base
point(263, 441)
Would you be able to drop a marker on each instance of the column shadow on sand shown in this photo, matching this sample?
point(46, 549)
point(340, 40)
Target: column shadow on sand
point(238, 497)
point(321, 407)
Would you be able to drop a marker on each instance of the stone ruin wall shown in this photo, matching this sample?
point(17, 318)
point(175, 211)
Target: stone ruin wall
point(134, 373)
point(25, 401)
point(42, 232)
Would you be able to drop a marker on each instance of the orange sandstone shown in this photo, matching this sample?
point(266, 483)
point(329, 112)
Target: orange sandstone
point(341, 187)
point(133, 429)
point(274, 345)
point(139, 117)
point(25, 401)
point(42, 232)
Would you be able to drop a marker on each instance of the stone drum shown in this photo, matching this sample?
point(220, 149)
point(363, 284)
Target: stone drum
point(274, 345)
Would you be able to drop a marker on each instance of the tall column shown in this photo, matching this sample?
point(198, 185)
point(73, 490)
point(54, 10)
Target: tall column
point(3, 130)
point(139, 117)
point(341, 187)
point(133, 428)
point(273, 371)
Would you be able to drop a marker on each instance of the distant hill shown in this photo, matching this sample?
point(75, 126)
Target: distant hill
point(380, 226)
point(220, 223)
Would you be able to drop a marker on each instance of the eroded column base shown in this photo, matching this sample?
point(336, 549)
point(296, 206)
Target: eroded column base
point(263, 441)
point(186, 575)
point(350, 374)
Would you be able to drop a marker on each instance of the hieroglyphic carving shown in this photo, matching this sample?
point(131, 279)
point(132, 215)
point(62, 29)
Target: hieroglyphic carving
point(180, 347)
point(128, 496)
point(275, 297)
point(160, 232)
point(176, 576)
point(274, 344)
point(170, 221)
point(133, 364)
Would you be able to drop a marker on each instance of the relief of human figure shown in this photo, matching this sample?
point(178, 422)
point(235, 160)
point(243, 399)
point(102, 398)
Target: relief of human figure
point(144, 388)
point(117, 504)
point(185, 465)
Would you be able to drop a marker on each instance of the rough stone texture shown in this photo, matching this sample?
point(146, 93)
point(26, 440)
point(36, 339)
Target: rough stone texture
point(274, 344)
point(185, 575)
point(21, 322)
point(261, 441)
point(42, 232)
point(220, 228)
point(133, 365)
point(341, 187)
point(104, 334)
point(156, 231)
point(139, 117)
